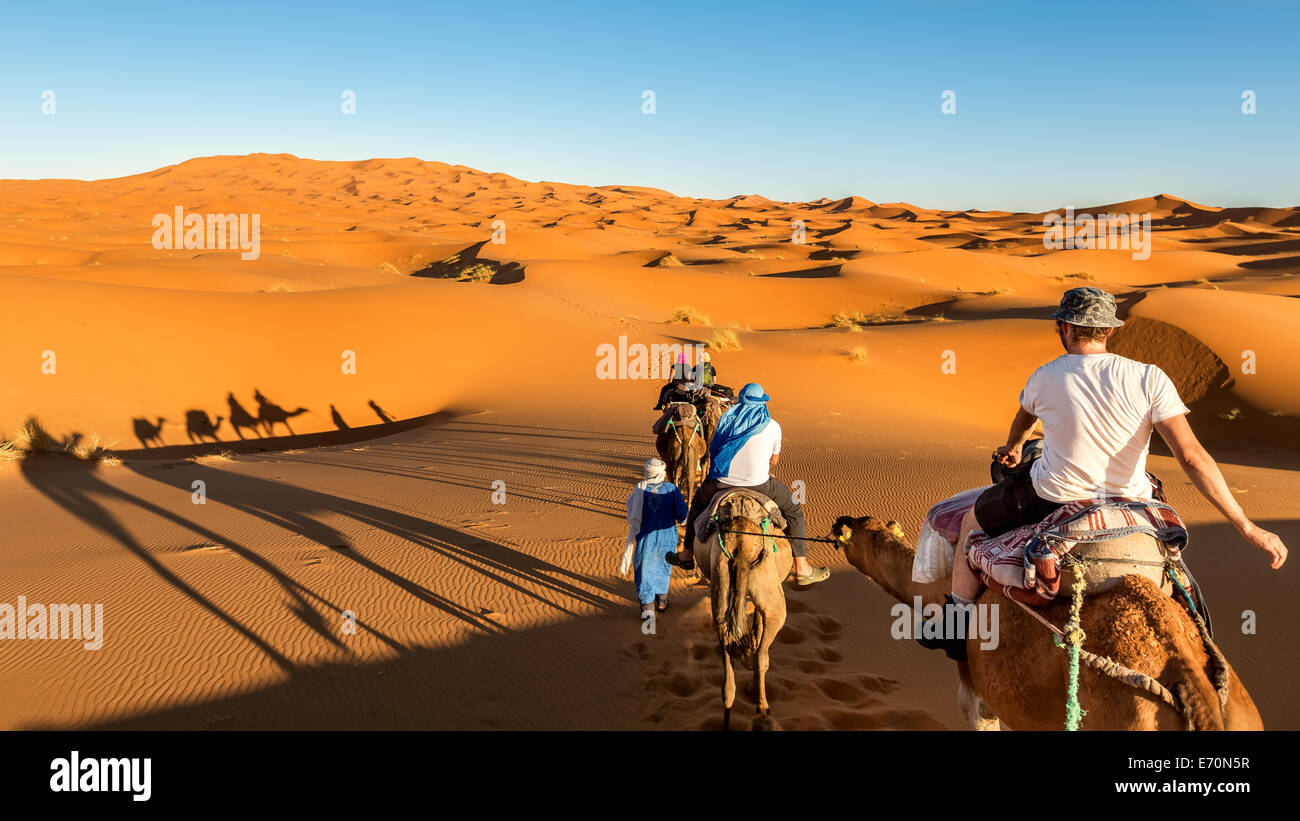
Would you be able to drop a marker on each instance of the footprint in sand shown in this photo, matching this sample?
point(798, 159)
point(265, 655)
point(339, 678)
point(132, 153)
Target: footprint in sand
point(683, 685)
point(700, 652)
point(828, 655)
point(878, 684)
point(827, 628)
point(842, 691)
point(810, 666)
point(639, 651)
point(791, 635)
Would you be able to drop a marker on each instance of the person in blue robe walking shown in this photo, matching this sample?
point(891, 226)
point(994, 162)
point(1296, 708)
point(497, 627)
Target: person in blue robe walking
point(654, 509)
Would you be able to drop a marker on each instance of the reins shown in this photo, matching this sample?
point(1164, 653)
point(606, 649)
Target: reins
point(1071, 640)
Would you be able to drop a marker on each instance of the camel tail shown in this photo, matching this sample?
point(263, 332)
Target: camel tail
point(733, 588)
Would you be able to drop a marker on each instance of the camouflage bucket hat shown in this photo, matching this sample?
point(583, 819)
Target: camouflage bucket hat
point(1089, 307)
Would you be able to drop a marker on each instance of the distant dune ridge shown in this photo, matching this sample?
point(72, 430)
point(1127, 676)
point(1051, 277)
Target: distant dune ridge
point(390, 290)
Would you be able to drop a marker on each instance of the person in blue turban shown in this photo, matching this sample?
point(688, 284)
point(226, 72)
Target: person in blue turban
point(744, 450)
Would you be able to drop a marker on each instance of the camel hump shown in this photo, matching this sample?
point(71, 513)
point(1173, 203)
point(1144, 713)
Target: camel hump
point(732, 503)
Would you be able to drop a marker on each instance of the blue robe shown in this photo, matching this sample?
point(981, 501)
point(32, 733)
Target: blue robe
point(662, 507)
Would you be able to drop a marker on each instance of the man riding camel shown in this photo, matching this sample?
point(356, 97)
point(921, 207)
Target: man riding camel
point(745, 448)
point(679, 378)
point(1098, 411)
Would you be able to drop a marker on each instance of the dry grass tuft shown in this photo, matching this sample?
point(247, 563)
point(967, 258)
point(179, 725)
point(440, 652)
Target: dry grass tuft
point(213, 458)
point(668, 260)
point(687, 315)
point(724, 339)
point(857, 356)
point(33, 440)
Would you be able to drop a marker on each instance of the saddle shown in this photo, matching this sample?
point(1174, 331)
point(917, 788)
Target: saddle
point(705, 525)
point(688, 413)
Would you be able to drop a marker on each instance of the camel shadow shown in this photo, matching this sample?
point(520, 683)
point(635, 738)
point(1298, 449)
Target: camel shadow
point(206, 428)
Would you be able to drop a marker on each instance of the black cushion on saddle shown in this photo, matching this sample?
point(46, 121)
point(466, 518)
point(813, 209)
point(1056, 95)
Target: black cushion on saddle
point(670, 413)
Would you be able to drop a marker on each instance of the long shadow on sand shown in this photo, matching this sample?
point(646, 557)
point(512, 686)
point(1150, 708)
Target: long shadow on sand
point(560, 676)
point(289, 507)
point(81, 488)
point(538, 463)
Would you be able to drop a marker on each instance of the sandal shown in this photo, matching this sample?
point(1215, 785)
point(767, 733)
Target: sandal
point(672, 557)
point(661, 603)
point(818, 574)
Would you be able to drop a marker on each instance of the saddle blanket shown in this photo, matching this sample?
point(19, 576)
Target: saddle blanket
point(1030, 556)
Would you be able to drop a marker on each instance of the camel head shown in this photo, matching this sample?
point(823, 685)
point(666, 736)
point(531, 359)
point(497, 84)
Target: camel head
point(847, 528)
point(879, 551)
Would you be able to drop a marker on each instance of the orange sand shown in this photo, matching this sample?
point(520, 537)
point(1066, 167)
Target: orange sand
point(477, 615)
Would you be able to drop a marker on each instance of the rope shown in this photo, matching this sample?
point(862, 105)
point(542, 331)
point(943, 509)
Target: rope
point(718, 526)
point(766, 523)
point(1221, 678)
point(1074, 637)
point(1105, 666)
point(790, 538)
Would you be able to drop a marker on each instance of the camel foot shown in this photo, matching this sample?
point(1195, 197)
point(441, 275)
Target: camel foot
point(763, 722)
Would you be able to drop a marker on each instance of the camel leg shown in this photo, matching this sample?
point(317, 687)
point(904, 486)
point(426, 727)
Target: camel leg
point(769, 613)
point(728, 687)
point(976, 713)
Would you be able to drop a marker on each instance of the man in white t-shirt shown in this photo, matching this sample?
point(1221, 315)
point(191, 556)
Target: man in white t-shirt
point(1098, 411)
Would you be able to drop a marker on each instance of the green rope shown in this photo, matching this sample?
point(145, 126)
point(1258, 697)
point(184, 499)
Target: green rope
point(718, 526)
point(1187, 597)
point(1074, 637)
point(766, 523)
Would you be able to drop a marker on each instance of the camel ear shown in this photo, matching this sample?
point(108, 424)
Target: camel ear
point(841, 530)
point(896, 529)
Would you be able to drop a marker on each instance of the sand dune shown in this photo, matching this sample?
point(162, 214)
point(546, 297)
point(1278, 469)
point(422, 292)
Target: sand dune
point(475, 615)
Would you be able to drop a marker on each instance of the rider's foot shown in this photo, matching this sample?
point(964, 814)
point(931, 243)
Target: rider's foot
point(814, 575)
point(685, 559)
point(953, 647)
point(661, 602)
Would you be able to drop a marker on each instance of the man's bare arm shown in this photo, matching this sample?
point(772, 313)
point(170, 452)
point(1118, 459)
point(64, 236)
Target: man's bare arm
point(1021, 427)
point(1200, 467)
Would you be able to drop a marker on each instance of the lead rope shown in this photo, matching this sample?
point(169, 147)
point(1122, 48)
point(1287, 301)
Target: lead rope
point(1221, 677)
point(1074, 637)
point(1105, 666)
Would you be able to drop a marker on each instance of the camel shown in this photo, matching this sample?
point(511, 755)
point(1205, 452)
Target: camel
point(711, 413)
point(198, 426)
point(1021, 684)
point(147, 431)
point(754, 571)
point(241, 418)
point(271, 414)
point(680, 442)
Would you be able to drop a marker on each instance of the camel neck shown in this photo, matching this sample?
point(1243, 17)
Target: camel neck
point(890, 565)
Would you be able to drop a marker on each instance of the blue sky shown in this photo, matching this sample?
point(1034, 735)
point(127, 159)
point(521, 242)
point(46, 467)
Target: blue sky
point(1056, 103)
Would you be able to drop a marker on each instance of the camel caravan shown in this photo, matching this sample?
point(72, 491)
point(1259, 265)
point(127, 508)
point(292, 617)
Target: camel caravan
point(1060, 589)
